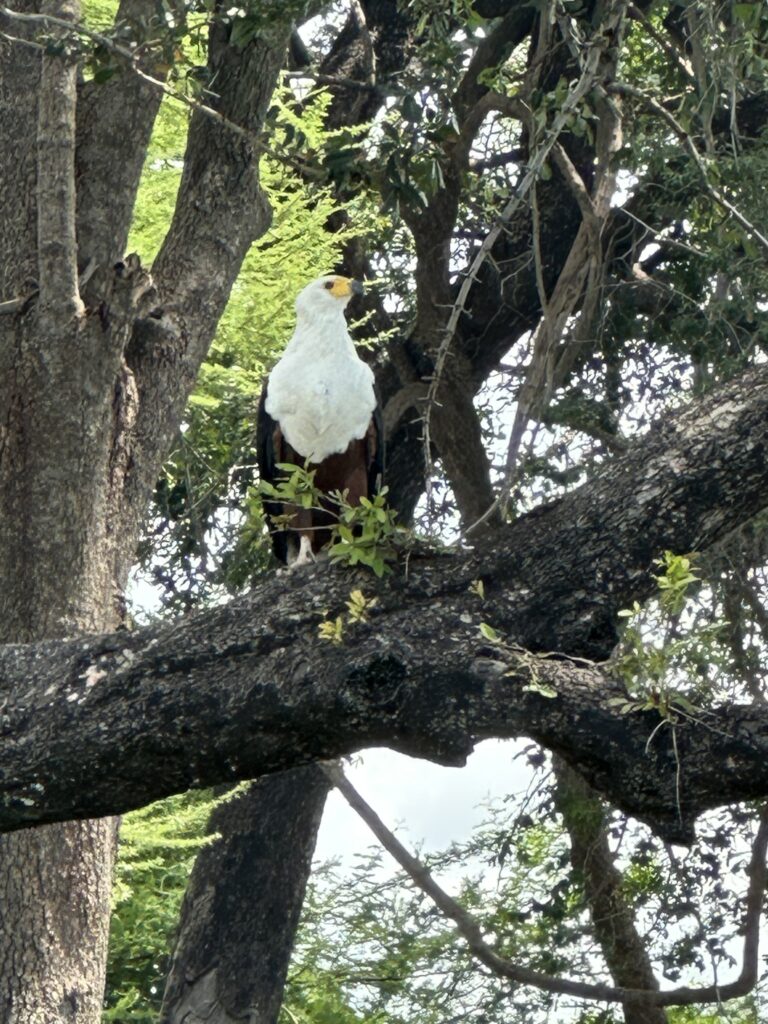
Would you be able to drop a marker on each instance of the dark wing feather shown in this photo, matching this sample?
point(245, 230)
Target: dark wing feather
point(269, 443)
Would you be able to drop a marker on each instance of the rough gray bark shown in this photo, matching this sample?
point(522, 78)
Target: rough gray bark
point(114, 125)
point(55, 882)
point(151, 717)
point(88, 404)
point(19, 88)
point(243, 902)
point(55, 889)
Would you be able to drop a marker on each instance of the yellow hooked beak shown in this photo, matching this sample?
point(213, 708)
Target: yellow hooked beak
point(343, 287)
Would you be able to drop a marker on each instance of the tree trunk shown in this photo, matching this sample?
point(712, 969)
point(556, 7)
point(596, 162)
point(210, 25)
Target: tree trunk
point(55, 552)
point(91, 392)
point(624, 949)
point(55, 886)
point(243, 902)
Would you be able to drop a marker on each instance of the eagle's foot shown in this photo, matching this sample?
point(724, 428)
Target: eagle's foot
point(306, 555)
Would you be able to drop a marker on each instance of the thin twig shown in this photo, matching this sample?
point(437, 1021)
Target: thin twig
point(13, 305)
point(343, 83)
point(665, 241)
point(470, 930)
point(624, 89)
point(587, 79)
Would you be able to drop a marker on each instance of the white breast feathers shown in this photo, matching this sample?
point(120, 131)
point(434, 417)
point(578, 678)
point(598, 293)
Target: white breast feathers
point(321, 392)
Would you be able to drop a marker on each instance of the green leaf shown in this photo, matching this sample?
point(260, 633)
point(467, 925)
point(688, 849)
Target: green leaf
point(543, 689)
point(489, 633)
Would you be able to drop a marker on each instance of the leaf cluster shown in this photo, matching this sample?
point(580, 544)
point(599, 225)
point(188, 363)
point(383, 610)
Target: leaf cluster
point(158, 845)
point(361, 534)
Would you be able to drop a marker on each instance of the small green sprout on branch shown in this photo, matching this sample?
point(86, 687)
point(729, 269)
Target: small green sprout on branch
point(358, 607)
point(675, 581)
point(362, 534)
point(297, 487)
point(332, 630)
point(656, 656)
point(521, 658)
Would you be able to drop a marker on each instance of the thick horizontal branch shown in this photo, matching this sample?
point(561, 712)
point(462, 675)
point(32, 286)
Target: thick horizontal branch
point(97, 725)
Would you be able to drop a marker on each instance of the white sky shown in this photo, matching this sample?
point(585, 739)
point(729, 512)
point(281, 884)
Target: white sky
point(420, 800)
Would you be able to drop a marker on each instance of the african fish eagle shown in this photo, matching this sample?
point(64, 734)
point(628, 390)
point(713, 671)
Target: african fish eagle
point(319, 407)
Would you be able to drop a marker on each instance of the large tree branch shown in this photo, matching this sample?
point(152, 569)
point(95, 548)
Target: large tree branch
point(220, 211)
point(101, 724)
point(221, 207)
point(114, 124)
point(56, 240)
point(492, 51)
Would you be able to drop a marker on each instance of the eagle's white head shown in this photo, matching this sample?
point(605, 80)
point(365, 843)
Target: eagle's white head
point(326, 296)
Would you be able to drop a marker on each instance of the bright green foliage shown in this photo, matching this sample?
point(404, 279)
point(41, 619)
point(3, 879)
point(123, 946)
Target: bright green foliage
point(332, 630)
point(365, 533)
point(296, 486)
point(675, 582)
point(98, 14)
point(158, 845)
point(297, 247)
point(661, 660)
point(358, 606)
point(362, 535)
point(737, 1011)
point(159, 181)
point(489, 633)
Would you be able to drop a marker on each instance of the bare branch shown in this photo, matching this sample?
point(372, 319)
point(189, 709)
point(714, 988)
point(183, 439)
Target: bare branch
point(470, 930)
point(591, 73)
point(492, 50)
point(466, 925)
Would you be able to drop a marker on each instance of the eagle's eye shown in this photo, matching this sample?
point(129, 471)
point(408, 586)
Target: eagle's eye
point(329, 284)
